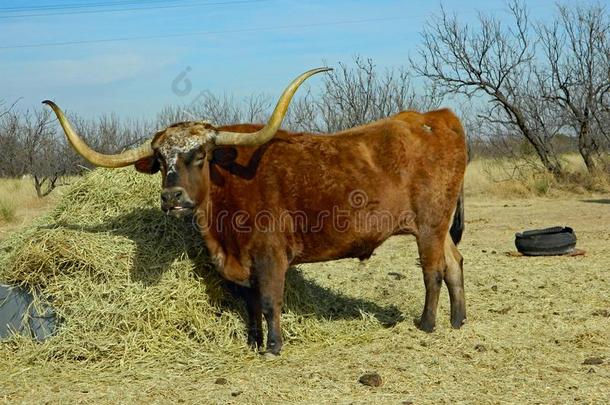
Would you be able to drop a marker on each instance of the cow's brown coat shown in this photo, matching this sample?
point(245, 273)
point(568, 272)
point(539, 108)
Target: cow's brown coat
point(409, 166)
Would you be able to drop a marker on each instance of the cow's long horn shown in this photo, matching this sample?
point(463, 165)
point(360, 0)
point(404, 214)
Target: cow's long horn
point(99, 159)
point(268, 131)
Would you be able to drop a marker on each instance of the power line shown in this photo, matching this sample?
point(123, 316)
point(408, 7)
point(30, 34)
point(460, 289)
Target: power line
point(68, 6)
point(174, 6)
point(202, 33)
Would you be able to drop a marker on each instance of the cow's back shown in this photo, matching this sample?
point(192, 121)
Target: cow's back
point(343, 195)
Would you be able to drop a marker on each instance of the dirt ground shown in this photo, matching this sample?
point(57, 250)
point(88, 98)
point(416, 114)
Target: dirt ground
point(538, 331)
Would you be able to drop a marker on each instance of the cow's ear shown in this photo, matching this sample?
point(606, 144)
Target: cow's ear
point(148, 165)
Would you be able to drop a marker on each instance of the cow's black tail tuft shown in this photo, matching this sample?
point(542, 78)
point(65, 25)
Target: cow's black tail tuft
point(457, 228)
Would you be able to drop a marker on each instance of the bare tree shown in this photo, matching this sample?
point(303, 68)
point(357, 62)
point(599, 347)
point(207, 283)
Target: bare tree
point(256, 108)
point(219, 110)
point(304, 114)
point(4, 108)
point(497, 62)
point(10, 164)
point(227, 110)
point(108, 134)
point(29, 146)
point(352, 95)
point(576, 74)
point(172, 114)
point(358, 94)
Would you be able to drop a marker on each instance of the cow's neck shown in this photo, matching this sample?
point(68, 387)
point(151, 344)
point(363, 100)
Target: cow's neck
point(209, 217)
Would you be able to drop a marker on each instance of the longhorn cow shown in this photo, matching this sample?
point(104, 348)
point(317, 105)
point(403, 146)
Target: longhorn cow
point(266, 199)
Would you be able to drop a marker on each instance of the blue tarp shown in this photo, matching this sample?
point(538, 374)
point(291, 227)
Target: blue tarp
point(18, 314)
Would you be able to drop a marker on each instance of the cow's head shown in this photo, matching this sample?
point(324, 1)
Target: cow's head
point(182, 152)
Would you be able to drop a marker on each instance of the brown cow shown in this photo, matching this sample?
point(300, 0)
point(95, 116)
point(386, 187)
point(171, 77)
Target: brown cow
point(266, 199)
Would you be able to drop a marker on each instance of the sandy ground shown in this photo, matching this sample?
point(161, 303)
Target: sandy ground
point(533, 324)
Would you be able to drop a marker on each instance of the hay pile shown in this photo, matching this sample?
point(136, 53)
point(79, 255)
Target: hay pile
point(133, 285)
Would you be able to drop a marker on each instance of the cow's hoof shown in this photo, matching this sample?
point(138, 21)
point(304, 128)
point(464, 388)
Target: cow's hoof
point(274, 347)
point(270, 356)
point(255, 341)
point(458, 322)
point(426, 326)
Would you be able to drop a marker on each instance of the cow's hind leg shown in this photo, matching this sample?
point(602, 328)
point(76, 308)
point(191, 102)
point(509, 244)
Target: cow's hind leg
point(271, 274)
point(454, 279)
point(432, 259)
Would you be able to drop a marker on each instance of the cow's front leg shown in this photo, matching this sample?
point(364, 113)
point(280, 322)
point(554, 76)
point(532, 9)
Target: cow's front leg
point(255, 323)
point(271, 273)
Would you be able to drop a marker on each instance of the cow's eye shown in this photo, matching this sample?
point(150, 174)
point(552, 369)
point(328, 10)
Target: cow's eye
point(199, 159)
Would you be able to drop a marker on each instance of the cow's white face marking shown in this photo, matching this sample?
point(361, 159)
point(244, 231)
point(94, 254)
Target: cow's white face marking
point(182, 142)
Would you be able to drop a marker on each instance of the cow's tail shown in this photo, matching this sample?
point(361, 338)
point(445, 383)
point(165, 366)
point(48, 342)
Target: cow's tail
point(457, 227)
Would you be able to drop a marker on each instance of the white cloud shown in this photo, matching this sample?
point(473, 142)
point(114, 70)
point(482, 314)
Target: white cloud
point(99, 69)
point(92, 70)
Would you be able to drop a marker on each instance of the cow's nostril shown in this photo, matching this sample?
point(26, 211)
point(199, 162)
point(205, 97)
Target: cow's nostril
point(173, 196)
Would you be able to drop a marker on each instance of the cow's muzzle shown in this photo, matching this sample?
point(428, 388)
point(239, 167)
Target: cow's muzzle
point(176, 202)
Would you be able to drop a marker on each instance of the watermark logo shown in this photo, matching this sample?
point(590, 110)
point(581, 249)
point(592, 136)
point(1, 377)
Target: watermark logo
point(181, 85)
point(353, 217)
point(358, 199)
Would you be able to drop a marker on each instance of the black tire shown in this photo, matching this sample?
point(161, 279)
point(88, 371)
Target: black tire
point(557, 240)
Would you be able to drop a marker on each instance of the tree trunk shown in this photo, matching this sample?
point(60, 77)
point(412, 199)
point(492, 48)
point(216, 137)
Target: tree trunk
point(544, 152)
point(551, 165)
point(39, 183)
point(587, 146)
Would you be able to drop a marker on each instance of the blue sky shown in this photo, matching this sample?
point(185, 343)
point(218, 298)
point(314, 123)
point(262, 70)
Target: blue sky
point(242, 46)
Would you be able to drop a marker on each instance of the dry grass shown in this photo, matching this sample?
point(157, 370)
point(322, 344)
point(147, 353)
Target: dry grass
point(507, 178)
point(147, 320)
point(8, 210)
point(19, 204)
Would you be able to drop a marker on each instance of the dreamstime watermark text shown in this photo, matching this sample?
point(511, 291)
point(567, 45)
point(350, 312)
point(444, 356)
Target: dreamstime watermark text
point(358, 214)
